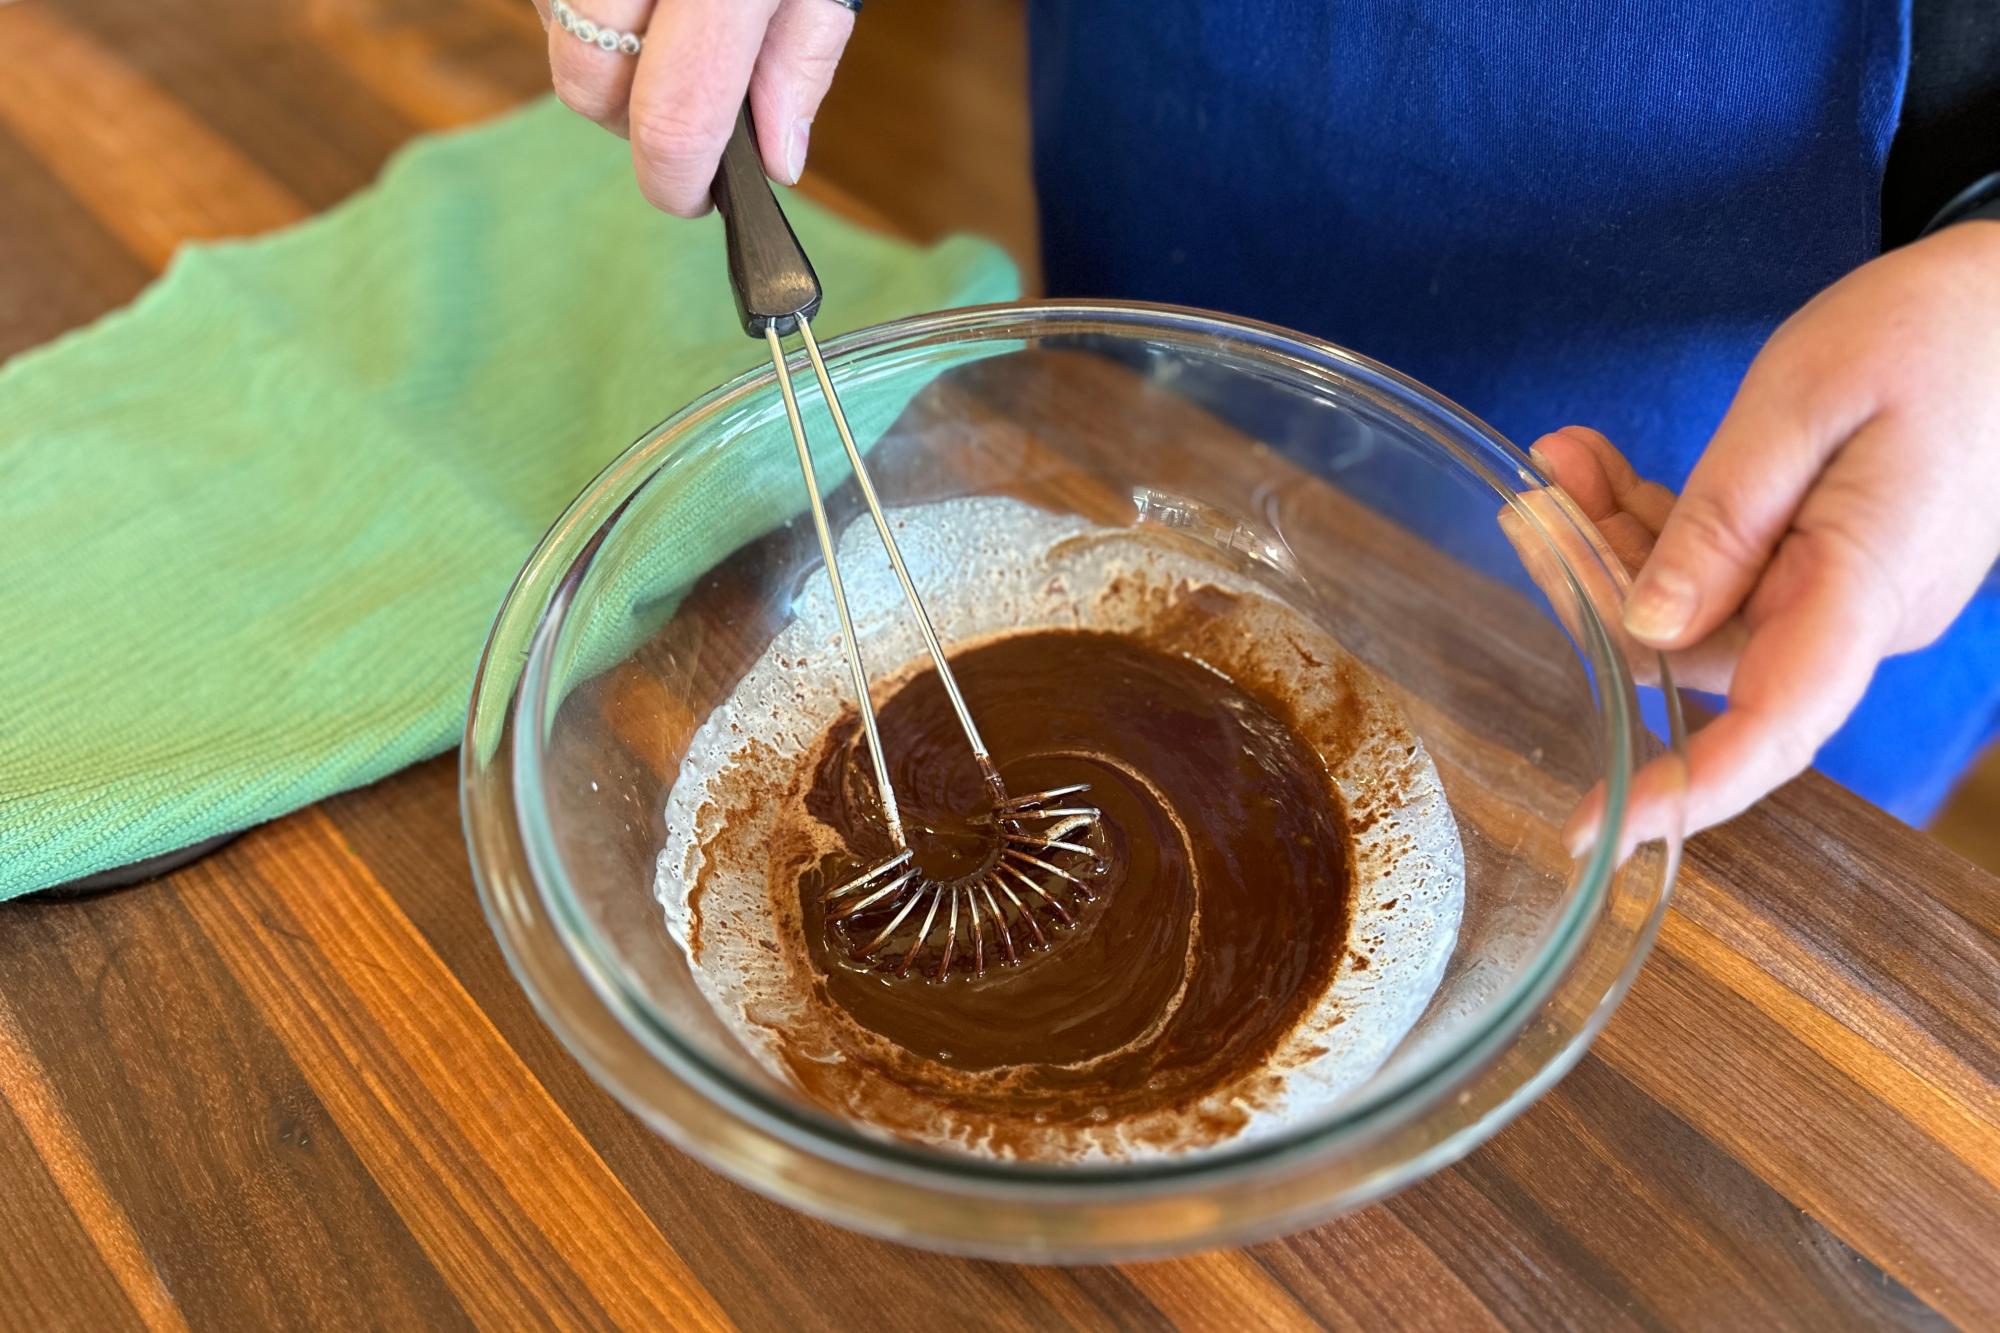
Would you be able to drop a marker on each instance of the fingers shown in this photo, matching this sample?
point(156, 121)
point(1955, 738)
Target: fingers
point(686, 94)
point(1572, 465)
point(1736, 507)
point(679, 101)
point(1655, 808)
point(592, 82)
point(1627, 511)
point(1646, 501)
point(1799, 675)
point(794, 70)
point(1791, 610)
point(1823, 615)
point(1548, 546)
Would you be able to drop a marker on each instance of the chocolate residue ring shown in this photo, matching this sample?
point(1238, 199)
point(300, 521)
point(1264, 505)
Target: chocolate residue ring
point(1113, 1045)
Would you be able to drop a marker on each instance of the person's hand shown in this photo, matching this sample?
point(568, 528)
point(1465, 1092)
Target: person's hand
point(1846, 510)
point(677, 99)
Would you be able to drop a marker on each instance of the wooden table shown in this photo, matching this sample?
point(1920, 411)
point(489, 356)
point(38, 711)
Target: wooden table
point(294, 1085)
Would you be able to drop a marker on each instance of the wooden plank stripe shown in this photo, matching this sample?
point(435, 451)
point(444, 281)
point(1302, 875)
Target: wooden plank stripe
point(1370, 1268)
point(1895, 1060)
point(1526, 1275)
point(1806, 1128)
point(1594, 1160)
point(63, 267)
point(453, 1126)
point(151, 172)
point(413, 59)
point(1621, 1176)
point(25, 1089)
point(1225, 1289)
point(1088, 1298)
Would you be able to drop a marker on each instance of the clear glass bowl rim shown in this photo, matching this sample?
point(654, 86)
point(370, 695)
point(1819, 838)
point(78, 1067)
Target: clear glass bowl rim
point(602, 502)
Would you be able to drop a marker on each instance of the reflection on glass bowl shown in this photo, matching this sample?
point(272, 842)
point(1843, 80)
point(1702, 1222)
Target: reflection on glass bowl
point(1356, 498)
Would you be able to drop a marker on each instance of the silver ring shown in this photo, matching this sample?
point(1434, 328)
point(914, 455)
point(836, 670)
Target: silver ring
point(852, 6)
point(604, 39)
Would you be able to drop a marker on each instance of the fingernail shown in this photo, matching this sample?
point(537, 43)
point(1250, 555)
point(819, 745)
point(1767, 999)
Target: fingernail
point(795, 160)
point(1661, 605)
point(1541, 460)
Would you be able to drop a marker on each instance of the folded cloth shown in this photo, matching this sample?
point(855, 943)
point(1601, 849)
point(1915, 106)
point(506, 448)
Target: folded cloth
point(253, 527)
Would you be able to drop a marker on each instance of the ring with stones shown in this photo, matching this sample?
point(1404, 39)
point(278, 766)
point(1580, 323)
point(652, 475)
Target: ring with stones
point(581, 28)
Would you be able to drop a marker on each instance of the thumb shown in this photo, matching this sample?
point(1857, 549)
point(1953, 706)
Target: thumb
point(1737, 506)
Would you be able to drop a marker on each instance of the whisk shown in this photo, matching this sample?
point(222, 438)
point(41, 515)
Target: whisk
point(1040, 864)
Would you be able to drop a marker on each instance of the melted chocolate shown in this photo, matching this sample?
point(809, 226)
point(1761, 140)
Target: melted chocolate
point(1222, 912)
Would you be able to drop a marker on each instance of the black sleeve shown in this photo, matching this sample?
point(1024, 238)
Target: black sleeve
point(1949, 136)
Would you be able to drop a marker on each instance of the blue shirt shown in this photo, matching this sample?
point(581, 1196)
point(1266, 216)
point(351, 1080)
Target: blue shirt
point(1577, 211)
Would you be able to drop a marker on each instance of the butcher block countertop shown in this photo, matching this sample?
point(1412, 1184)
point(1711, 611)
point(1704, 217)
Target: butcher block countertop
point(293, 1084)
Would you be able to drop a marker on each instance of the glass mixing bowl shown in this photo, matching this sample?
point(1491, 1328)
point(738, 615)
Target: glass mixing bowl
point(1422, 541)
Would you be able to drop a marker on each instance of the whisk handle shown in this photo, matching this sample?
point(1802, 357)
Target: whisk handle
point(773, 280)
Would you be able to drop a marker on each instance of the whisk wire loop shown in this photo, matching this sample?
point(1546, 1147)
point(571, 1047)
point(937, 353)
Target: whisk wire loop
point(894, 886)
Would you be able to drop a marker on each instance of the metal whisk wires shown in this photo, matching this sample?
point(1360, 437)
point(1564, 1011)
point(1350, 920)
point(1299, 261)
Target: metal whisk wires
point(1034, 836)
point(1034, 866)
point(1024, 860)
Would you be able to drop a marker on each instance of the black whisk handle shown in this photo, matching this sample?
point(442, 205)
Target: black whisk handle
point(768, 269)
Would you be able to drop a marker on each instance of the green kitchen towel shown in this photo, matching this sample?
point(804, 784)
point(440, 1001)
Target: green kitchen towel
point(254, 527)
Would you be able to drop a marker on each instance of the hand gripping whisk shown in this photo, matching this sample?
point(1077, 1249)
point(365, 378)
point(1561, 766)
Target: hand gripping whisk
point(1040, 863)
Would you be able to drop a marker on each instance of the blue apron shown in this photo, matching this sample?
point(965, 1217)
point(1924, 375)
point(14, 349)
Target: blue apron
point(1580, 211)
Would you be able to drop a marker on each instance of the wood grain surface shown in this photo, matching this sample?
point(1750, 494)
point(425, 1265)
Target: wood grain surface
point(293, 1085)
